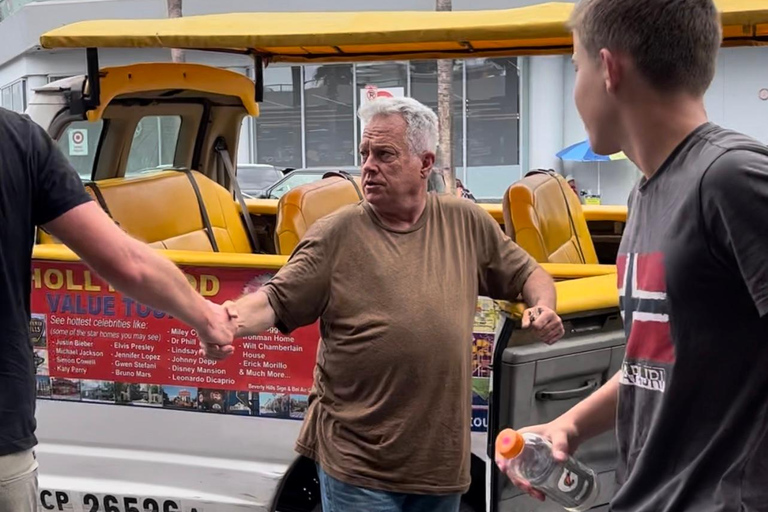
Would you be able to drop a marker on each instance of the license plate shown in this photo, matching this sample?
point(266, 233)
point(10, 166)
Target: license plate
point(64, 501)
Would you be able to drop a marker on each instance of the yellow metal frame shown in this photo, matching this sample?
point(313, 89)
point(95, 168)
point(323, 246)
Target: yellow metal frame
point(590, 287)
point(591, 212)
point(562, 271)
point(604, 212)
point(136, 78)
point(348, 36)
point(576, 296)
point(60, 252)
point(494, 210)
point(260, 206)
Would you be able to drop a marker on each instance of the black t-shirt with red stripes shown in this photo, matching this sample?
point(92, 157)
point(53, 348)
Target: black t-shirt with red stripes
point(693, 286)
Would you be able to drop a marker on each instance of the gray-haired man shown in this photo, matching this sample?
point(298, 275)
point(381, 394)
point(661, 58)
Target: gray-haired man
point(394, 280)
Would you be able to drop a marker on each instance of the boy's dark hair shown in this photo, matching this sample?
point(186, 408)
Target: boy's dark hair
point(674, 43)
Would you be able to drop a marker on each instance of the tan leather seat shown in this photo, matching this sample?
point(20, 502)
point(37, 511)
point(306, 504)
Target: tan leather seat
point(544, 217)
point(162, 209)
point(302, 206)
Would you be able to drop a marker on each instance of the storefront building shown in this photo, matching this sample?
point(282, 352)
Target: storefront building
point(509, 114)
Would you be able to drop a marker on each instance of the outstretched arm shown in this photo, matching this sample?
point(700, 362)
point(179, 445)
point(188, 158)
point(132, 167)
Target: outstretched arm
point(136, 270)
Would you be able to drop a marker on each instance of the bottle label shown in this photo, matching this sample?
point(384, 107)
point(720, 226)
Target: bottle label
point(574, 482)
point(568, 481)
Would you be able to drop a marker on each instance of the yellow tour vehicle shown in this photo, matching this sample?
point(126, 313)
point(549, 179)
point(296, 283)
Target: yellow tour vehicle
point(130, 418)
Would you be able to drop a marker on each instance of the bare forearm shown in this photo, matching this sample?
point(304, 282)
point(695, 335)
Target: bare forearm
point(131, 266)
point(539, 290)
point(255, 314)
point(597, 413)
point(155, 281)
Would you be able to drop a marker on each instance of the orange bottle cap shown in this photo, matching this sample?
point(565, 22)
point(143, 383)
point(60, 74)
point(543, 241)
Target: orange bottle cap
point(509, 443)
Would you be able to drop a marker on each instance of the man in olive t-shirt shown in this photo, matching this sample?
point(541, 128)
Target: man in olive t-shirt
point(395, 280)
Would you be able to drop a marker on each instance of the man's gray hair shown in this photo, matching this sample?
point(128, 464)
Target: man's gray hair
point(420, 120)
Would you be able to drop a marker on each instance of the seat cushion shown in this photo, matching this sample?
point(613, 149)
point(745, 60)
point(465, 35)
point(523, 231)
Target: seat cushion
point(162, 209)
point(302, 206)
point(159, 207)
point(545, 219)
point(224, 215)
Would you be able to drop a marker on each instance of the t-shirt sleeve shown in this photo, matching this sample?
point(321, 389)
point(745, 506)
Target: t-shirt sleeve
point(630, 200)
point(57, 186)
point(734, 205)
point(503, 266)
point(300, 290)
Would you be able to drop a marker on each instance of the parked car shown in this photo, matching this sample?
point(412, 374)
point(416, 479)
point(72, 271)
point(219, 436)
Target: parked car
point(254, 179)
point(296, 177)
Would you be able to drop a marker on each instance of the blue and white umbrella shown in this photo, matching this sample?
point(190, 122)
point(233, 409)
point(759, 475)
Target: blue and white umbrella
point(582, 152)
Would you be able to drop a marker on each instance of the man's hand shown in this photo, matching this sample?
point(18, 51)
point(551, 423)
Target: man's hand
point(539, 293)
point(591, 417)
point(217, 342)
point(544, 322)
point(250, 314)
point(564, 438)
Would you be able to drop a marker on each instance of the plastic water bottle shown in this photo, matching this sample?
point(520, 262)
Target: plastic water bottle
point(571, 484)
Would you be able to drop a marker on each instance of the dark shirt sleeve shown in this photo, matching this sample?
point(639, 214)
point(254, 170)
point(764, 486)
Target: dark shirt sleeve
point(300, 290)
point(504, 266)
point(57, 188)
point(734, 205)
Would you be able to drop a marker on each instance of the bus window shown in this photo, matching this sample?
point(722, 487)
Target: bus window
point(154, 144)
point(79, 142)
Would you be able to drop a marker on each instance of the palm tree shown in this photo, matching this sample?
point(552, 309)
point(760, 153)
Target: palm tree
point(332, 77)
point(174, 11)
point(444, 95)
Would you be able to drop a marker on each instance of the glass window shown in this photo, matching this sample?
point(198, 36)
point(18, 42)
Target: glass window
point(293, 181)
point(278, 127)
point(154, 144)
point(424, 89)
point(6, 99)
point(17, 96)
point(56, 78)
point(12, 96)
point(79, 143)
point(493, 126)
point(254, 179)
point(493, 112)
point(329, 115)
point(245, 139)
point(386, 77)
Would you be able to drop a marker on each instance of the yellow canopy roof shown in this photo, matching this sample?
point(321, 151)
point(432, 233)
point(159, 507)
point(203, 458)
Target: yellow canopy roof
point(351, 36)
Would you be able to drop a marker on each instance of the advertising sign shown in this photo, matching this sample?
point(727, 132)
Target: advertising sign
point(92, 344)
point(372, 92)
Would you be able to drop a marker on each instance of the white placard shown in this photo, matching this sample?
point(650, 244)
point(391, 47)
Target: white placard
point(78, 142)
point(372, 93)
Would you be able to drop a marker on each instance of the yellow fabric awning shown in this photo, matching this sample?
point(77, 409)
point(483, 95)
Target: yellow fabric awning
point(356, 36)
